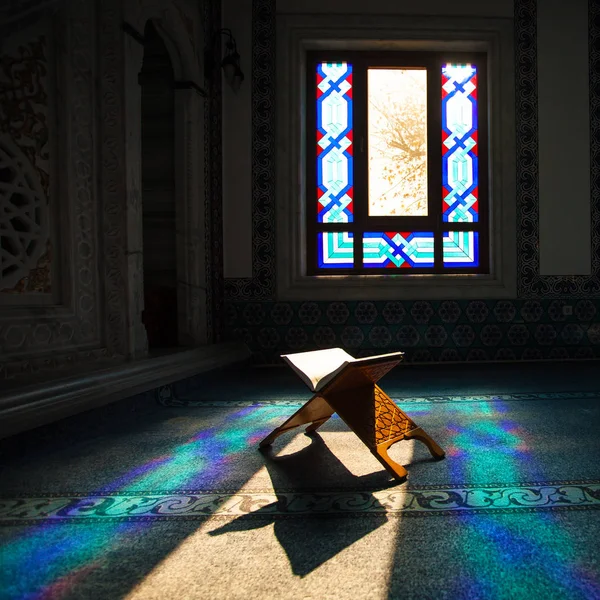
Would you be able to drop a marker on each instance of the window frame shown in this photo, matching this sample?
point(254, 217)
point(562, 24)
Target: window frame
point(361, 62)
point(296, 35)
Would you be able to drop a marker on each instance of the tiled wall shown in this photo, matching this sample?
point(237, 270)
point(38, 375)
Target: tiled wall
point(445, 330)
point(532, 326)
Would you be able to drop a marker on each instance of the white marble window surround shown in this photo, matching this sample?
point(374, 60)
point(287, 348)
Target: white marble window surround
point(296, 34)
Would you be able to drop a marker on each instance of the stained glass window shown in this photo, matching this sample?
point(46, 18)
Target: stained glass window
point(391, 249)
point(335, 250)
point(378, 173)
point(460, 168)
point(461, 249)
point(335, 168)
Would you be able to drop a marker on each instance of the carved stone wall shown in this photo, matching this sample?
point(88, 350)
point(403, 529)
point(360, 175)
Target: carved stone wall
point(73, 284)
point(25, 242)
point(43, 331)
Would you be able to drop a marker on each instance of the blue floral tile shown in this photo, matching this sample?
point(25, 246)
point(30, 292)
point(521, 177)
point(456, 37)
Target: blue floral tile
point(449, 311)
point(436, 335)
point(243, 334)
point(505, 311)
point(555, 310)
point(490, 335)
point(407, 336)
point(365, 313)
point(309, 313)
point(584, 353)
point(572, 334)
point(380, 336)
point(532, 354)
point(296, 338)
point(268, 337)
point(532, 311)
point(545, 334)
point(324, 337)
point(421, 312)
point(422, 355)
point(282, 313)
point(448, 330)
point(450, 355)
point(559, 352)
point(585, 310)
point(393, 312)
point(477, 311)
point(477, 354)
point(254, 314)
point(337, 313)
point(463, 335)
point(518, 335)
point(505, 354)
point(593, 333)
point(352, 336)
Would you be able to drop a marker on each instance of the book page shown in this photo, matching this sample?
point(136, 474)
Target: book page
point(381, 357)
point(314, 366)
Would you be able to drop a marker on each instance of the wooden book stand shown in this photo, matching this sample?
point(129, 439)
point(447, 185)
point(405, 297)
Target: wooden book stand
point(365, 408)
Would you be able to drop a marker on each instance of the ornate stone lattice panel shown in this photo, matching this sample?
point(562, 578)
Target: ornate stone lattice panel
point(36, 338)
point(23, 220)
point(25, 245)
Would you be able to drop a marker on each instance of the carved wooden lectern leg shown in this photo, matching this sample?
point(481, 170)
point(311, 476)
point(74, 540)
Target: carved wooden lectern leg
point(316, 411)
point(393, 425)
point(379, 423)
point(366, 409)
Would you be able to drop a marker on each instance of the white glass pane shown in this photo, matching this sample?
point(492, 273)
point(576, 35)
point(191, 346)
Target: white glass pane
point(397, 135)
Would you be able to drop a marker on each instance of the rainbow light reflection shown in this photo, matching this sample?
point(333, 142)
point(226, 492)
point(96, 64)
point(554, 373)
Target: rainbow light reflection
point(53, 559)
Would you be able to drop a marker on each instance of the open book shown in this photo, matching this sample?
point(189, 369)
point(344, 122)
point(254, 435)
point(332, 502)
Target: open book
point(319, 367)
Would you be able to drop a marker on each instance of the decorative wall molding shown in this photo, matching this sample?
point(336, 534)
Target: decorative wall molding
point(213, 157)
point(261, 286)
point(70, 326)
point(82, 171)
point(120, 325)
point(530, 282)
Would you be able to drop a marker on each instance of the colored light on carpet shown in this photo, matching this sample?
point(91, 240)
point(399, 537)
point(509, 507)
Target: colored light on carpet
point(484, 447)
point(53, 557)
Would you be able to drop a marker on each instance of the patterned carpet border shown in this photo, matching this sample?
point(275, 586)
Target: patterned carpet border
point(268, 504)
point(166, 399)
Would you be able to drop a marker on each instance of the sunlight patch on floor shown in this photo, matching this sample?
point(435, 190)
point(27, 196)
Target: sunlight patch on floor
point(306, 557)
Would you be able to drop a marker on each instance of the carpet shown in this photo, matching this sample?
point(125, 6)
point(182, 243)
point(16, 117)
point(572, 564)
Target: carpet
point(175, 501)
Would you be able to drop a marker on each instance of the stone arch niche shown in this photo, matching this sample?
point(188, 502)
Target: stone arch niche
point(122, 53)
point(159, 239)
